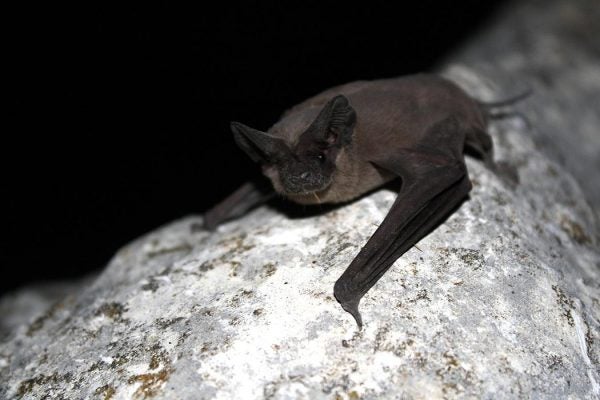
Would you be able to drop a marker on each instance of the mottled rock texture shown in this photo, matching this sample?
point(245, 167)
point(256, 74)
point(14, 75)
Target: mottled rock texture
point(499, 302)
point(552, 47)
point(502, 301)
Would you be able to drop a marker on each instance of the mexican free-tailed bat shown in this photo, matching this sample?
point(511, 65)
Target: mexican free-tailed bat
point(356, 137)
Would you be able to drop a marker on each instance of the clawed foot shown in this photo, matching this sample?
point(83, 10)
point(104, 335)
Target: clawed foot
point(508, 173)
point(196, 227)
point(206, 225)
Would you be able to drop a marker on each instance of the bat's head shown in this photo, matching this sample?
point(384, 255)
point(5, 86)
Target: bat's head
point(308, 165)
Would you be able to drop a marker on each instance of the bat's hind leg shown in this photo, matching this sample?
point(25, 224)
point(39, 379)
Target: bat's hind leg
point(479, 143)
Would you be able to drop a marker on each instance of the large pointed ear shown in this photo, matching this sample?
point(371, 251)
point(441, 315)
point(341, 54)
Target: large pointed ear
point(334, 124)
point(260, 146)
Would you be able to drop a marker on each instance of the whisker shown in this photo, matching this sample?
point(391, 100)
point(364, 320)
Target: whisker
point(317, 197)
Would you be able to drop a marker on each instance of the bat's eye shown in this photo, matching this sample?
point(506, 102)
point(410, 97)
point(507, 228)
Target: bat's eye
point(320, 157)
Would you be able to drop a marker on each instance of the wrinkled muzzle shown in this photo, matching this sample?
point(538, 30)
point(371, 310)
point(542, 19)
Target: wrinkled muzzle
point(299, 178)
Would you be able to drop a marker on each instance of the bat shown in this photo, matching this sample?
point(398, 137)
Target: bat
point(353, 138)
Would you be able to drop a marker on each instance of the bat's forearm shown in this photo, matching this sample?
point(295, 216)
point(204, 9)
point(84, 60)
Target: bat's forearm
point(415, 128)
point(419, 208)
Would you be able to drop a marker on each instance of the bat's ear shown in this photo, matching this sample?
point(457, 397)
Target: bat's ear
point(335, 123)
point(260, 146)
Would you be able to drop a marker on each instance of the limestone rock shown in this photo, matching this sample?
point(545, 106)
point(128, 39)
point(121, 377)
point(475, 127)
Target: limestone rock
point(501, 301)
point(553, 48)
point(20, 307)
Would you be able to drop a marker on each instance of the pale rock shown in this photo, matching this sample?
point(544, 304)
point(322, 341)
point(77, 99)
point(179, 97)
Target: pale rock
point(502, 301)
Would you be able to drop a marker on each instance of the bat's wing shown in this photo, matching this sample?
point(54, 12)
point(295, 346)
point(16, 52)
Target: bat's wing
point(434, 182)
point(248, 196)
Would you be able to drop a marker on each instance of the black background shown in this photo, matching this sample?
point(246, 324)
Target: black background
point(118, 115)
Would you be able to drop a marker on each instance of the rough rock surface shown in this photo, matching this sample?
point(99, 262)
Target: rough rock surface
point(552, 47)
point(20, 307)
point(501, 301)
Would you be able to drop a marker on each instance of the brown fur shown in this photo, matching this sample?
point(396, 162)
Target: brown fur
point(391, 114)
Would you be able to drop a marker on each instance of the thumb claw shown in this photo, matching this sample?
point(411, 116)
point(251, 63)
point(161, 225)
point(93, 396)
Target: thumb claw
point(352, 308)
point(348, 299)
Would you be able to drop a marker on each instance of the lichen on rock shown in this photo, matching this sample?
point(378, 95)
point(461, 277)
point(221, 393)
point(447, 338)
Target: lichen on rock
point(501, 301)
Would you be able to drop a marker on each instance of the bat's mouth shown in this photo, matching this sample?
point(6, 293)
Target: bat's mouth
point(306, 198)
point(305, 183)
point(309, 196)
point(304, 189)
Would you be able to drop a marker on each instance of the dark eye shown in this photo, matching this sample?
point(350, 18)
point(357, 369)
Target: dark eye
point(320, 157)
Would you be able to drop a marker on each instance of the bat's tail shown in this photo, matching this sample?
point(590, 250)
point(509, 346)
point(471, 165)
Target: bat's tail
point(505, 102)
point(489, 108)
